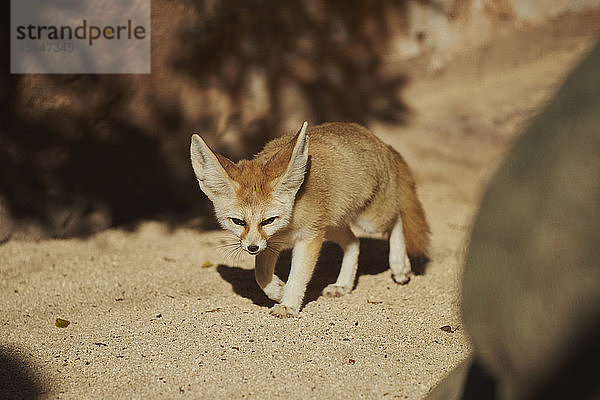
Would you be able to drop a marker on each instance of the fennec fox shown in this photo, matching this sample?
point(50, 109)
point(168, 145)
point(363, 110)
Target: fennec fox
point(297, 195)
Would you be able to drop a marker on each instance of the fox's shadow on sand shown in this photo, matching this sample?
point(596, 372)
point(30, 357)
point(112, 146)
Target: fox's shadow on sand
point(373, 260)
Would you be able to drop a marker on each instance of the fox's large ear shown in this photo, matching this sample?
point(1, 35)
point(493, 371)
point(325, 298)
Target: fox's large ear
point(292, 178)
point(212, 177)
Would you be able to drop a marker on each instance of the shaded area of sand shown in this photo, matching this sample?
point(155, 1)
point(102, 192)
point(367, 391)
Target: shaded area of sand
point(147, 321)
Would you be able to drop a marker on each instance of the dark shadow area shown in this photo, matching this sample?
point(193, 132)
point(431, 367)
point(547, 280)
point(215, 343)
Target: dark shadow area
point(575, 375)
point(373, 260)
point(80, 153)
point(17, 380)
point(243, 283)
point(328, 54)
point(419, 264)
point(478, 384)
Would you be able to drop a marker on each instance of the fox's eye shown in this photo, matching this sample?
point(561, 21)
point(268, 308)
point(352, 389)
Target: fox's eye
point(238, 222)
point(268, 221)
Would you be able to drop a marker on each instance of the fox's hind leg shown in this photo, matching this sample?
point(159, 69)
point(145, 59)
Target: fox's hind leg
point(399, 261)
point(264, 268)
point(350, 244)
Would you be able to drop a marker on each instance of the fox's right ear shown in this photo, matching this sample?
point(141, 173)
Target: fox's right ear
point(292, 178)
point(212, 177)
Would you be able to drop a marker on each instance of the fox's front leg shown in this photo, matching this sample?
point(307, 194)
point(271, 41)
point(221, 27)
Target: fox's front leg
point(304, 258)
point(264, 272)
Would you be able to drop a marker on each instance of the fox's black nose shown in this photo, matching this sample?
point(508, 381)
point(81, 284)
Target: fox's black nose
point(252, 248)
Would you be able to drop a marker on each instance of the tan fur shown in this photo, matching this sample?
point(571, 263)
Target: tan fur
point(352, 172)
point(346, 176)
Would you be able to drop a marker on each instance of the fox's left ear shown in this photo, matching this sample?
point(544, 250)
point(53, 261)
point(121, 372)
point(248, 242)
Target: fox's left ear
point(212, 177)
point(292, 178)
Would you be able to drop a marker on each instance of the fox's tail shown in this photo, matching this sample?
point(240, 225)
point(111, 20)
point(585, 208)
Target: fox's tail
point(416, 229)
point(414, 223)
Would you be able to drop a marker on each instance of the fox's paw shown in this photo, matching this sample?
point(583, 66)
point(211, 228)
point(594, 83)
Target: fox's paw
point(283, 311)
point(334, 290)
point(401, 271)
point(274, 290)
point(401, 279)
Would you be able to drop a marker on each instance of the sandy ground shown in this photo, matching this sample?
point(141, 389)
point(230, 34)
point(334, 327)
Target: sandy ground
point(148, 321)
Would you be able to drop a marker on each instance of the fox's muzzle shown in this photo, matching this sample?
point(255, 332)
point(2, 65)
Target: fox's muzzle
point(253, 241)
point(253, 248)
